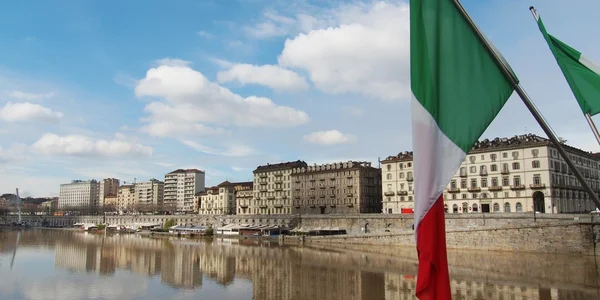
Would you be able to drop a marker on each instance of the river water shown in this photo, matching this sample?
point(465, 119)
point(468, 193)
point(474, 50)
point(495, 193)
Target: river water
point(58, 264)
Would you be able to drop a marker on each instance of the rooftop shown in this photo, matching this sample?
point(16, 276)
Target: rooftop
point(281, 166)
point(186, 171)
point(333, 166)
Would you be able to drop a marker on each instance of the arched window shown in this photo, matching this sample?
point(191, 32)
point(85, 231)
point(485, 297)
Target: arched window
point(519, 207)
point(496, 207)
point(475, 207)
point(454, 208)
point(389, 167)
point(389, 176)
point(401, 166)
point(465, 207)
point(446, 208)
point(506, 207)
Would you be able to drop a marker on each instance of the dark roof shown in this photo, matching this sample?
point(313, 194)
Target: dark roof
point(281, 166)
point(186, 171)
point(205, 192)
point(499, 144)
point(243, 183)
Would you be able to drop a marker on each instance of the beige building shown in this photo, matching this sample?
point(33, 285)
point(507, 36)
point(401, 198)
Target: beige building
point(180, 188)
point(78, 194)
point(126, 199)
point(336, 188)
point(273, 188)
point(108, 186)
point(243, 197)
point(149, 195)
point(517, 174)
point(110, 202)
point(221, 199)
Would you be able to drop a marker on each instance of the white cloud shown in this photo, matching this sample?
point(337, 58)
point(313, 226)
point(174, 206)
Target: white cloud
point(221, 62)
point(190, 100)
point(13, 153)
point(25, 111)
point(79, 145)
point(177, 129)
point(272, 76)
point(271, 25)
point(367, 53)
point(172, 62)
point(329, 137)
point(205, 34)
point(29, 96)
point(239, 150)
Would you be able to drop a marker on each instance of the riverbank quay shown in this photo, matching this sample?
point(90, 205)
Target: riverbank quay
point(544, 233)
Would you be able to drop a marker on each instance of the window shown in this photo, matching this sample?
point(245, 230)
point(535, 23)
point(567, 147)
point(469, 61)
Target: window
point(496, 207)
point(463, 184)
point(493, 157)
point(463, 171)
point(465, 207)
point(454, 208)
point(505, 168)
point(537, 179)
point(505, 181)
point(400, 175)
point(494, 181)
point(483, 169)
point(409, 187)
point(535, 164)
point(389, 176)
point(506, 207)
point(464, 196)
point(475, 196)
point(505, 155)
point(389, 187)
point(495, 194)
point(473, 183)
point(494, 168)
point(535, 152)
point(475, 208)
point(402, 198)
point(389, 167)
point(482, 157)
point(517, 181)
point(409, 174)
point(519, 207)
point(515, 154)
point(472, 159)
point(453, 184)
point(516, 166)
point(505, 194)
point(484, 182)
point(484, 195)
point(401, 165)
point(409, 198)
point(453, 196)
point(409, 165)
point(473, 169)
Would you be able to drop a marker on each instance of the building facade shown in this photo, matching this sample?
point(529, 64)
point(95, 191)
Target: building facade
point(519, 174)
point(222, 199)
point(273, 188)
point(126, 198)
point(78, 194)
point(110, 202)
point(337, 188)
point(180, 187)
point(149, 195)
point(108, 186)
point(208, 201)
point(243, 197)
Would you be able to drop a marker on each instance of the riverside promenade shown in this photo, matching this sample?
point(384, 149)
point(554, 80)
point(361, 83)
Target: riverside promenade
point(547, 233)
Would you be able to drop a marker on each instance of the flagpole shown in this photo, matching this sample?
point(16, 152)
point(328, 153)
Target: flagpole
point(529, 104)
point(593, 127)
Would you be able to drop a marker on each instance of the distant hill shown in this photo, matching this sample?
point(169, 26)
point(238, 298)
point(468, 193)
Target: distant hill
point(12, 199)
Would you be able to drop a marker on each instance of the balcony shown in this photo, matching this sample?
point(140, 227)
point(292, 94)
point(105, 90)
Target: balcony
point(517, 187)
point(474, 189)
point(244, 205)
point(538, 186)
point(349, 176)
point(389, 193)
point(278, 174)
point(464, 174)
point(278, 206)
point(262, 206)
point(504, 172)
point(350, 205)
point(263, 189)
point(278, 181)
point(483, 173)
point(263, 182)
point(279, 189)
point(322, 187)
point(349, 185)
point(263, 175)
point(495, 188)
point(270, 197)
point(453, 190)
point(402, 193)
point(410, 178)
point(349, 194)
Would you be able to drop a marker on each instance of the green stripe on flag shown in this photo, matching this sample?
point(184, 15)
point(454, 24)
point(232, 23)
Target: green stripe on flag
point(453, 75)
point(584, 82)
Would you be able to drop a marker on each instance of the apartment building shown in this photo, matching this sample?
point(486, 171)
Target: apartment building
point(110, 202)
point(78, 194)
point(221, 199)
point(243, 197)
point(149, 195)
point(108, 186)
point(273, 188)
point(180, 188)
point(126, 198)
point(519, 174)
point(337, 188)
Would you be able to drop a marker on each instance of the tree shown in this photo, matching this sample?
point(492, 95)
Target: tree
point(169, 223)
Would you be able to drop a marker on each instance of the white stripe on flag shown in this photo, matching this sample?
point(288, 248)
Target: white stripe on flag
point(589, 64)
point(436, 160)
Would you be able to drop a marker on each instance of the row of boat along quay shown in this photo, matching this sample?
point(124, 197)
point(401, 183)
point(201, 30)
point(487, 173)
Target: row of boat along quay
point(67, 264)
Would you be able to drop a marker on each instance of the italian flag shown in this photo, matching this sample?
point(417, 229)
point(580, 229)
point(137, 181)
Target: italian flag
point(457, 88)
point(582, 75)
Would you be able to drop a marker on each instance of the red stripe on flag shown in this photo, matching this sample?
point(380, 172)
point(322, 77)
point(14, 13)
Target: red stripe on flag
point(433, 280)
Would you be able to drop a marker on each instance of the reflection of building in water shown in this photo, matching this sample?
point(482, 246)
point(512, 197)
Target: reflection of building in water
point(218, 266)
point(403, 287)
point(89, 258)
point(180, 268)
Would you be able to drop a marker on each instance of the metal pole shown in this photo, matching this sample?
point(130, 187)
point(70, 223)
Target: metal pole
point(19, 206)
point(521, 92)
point(593, 127)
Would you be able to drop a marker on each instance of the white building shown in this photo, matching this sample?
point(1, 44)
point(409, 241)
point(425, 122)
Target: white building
point(273, 188)
point(180, 188)
point(108, 186)
point(517, 174)
point(78, 194)
point(222, 199)
point(149, 194)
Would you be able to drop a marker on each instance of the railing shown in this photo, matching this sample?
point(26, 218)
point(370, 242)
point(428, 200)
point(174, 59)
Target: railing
point(474, 189)
point(534, 186)
point(517, 187)
point(495, 188)
point(453, 190)
point(402, 193)
point(389, 193)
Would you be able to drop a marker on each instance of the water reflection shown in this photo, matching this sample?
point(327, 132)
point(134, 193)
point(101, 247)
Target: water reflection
point(128, 266)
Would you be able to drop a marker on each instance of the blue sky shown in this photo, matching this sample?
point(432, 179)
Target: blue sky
point(135, 89)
